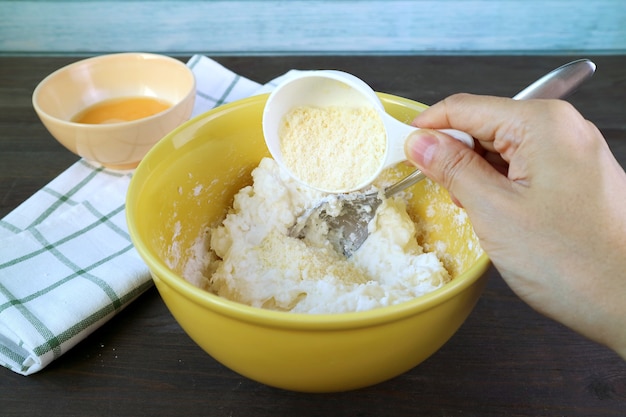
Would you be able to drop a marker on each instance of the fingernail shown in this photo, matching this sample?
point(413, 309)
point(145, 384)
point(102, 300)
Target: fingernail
point(420, 147)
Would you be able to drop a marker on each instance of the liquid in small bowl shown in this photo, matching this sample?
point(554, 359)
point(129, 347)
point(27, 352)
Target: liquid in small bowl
point(119, 110)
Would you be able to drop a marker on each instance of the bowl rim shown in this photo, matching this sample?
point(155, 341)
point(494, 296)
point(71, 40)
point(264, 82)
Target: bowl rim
point(96, 59)
point(162, 274)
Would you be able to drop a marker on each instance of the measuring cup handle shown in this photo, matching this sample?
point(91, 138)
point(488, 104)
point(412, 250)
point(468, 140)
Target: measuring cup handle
point(398, 132)
point(460, 136)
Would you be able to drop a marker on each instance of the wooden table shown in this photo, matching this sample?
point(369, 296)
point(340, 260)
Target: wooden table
point(506, 360)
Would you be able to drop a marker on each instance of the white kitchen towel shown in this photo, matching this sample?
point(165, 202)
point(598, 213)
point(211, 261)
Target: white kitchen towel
point(67, 264)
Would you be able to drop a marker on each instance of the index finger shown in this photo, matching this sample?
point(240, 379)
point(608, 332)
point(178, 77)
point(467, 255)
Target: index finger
point(483, 117)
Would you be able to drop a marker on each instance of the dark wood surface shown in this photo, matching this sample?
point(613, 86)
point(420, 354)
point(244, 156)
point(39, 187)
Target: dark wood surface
point(506, 360)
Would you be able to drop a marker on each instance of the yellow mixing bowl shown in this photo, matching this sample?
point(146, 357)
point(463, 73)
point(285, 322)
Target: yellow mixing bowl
point(188, 180)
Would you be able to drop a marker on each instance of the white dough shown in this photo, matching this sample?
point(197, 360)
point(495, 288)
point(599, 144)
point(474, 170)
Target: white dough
point(255, 262)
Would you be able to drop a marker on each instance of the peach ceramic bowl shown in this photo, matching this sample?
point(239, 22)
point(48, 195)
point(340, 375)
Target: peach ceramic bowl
point(188, 180)
point(66, 92)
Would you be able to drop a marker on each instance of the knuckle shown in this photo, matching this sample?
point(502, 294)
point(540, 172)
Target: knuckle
point(558, 109)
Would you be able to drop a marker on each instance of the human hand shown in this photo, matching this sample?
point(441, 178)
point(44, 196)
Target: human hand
point(547, 200)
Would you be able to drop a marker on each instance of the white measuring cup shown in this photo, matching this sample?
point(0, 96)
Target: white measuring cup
point(332, 88)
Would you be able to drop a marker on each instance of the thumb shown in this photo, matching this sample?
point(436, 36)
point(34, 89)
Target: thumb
point(452, 164)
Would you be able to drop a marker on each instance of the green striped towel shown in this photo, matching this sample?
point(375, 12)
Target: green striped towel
point(67, 264)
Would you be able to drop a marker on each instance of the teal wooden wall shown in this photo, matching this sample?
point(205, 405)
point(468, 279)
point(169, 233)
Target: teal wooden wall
point(314, 27)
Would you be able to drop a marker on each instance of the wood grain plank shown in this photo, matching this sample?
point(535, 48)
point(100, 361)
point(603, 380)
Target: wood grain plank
point(314, 27)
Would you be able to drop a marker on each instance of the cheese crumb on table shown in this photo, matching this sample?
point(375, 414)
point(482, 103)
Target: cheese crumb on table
point(333, 148)
point(254, 261)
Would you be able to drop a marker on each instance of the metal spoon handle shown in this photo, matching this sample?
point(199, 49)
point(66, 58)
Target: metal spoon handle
point(556, 84)
point(413, 178)
point(560, 82)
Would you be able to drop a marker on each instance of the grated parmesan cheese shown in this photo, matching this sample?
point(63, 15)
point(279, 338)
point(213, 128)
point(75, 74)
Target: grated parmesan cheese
point(333, 148)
